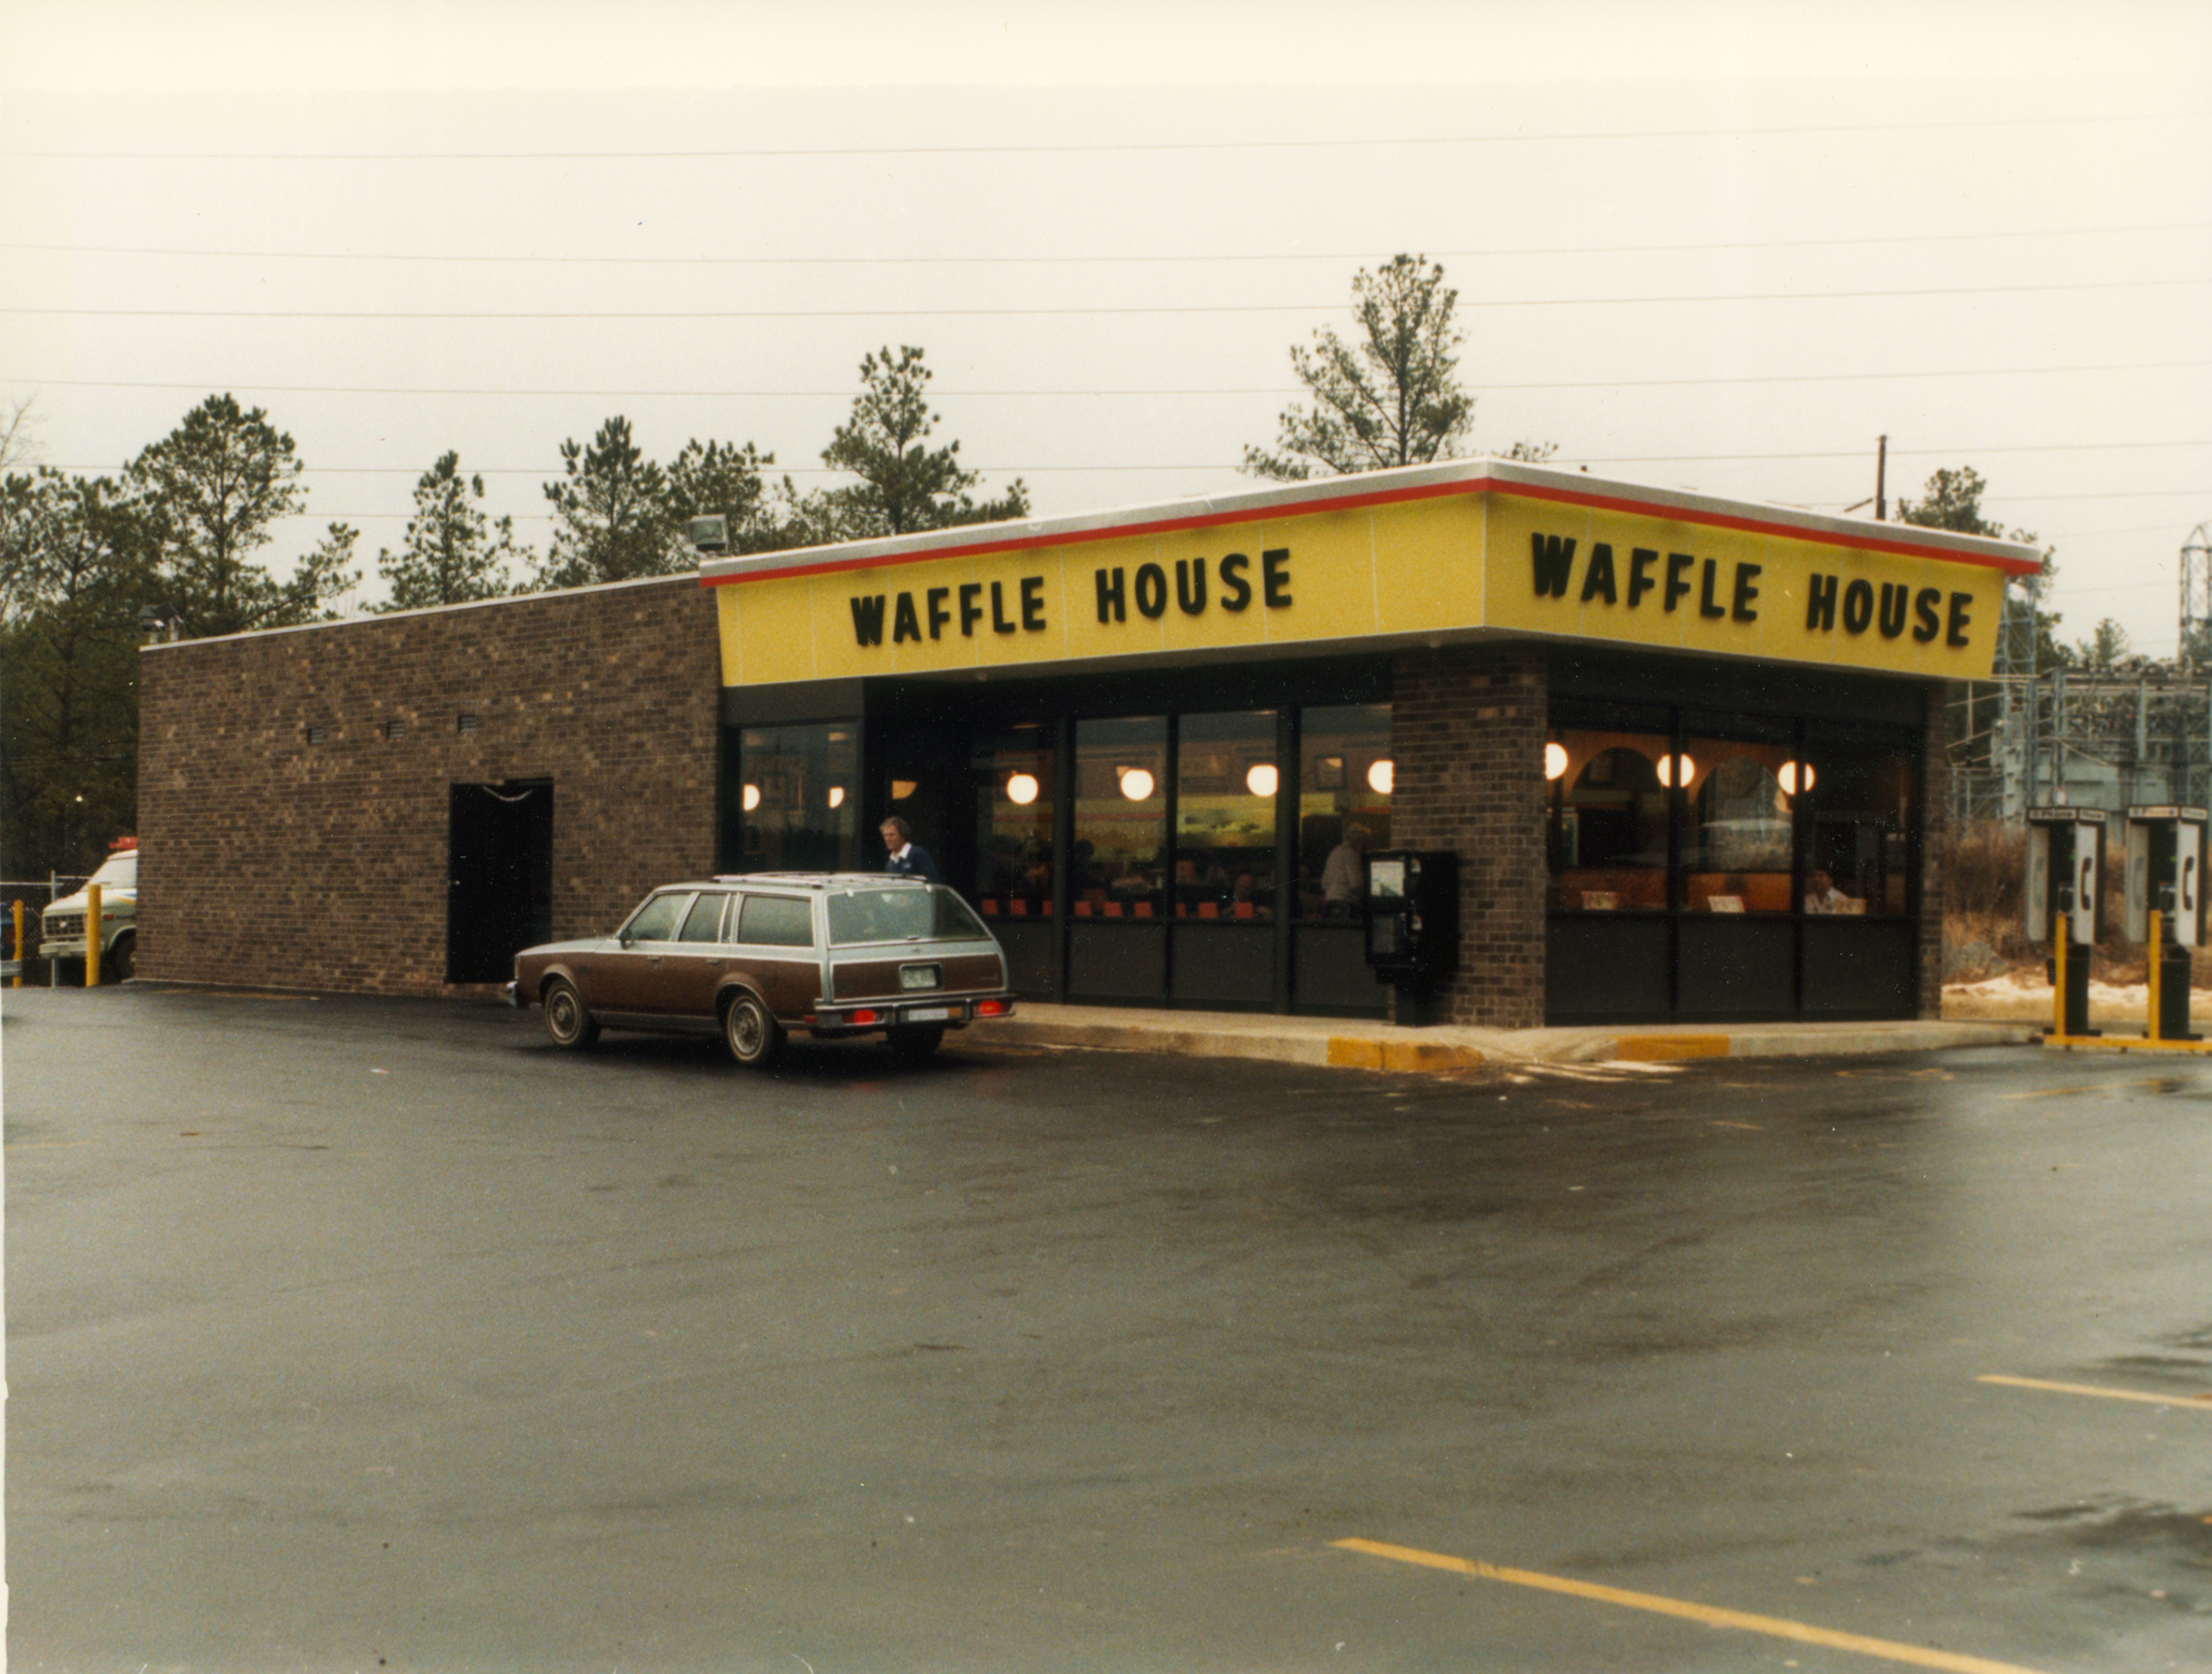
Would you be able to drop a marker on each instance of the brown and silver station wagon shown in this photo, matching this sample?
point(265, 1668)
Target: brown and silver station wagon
point(835, 953)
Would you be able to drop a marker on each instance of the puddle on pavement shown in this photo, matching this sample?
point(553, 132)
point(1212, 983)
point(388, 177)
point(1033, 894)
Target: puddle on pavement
point(2109, 1527)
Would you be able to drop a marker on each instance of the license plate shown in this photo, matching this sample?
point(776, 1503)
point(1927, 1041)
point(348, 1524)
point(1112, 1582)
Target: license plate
point(930, 1013)
point(921, 976)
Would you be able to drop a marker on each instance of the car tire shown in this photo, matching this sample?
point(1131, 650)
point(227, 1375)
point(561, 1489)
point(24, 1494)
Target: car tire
point(750, 1032)
point(567, 1019)
point(914, 1040)
point(122, 957)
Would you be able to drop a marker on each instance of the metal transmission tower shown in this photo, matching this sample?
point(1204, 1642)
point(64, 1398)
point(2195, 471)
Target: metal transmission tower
point(2194, 649)
point(2000, 743)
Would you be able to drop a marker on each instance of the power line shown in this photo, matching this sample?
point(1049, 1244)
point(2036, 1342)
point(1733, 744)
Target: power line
point(1114, 148)
point(1968, 452)
point(941, 392)
point(1182, 260)
point(1082, 311)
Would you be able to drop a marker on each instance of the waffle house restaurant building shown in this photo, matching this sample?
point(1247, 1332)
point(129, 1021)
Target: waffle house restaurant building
point(1686, 750)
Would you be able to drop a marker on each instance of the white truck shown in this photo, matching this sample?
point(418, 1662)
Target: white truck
point(61, 926)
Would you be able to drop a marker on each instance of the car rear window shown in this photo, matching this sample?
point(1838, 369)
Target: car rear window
point(777, 921)
point(900, 915)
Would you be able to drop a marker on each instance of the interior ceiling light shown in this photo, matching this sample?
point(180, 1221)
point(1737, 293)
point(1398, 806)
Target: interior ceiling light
point(1136, 783)
point(1021, 788)
point(1381, 776)
point(1555, 760)
point(1262, 780)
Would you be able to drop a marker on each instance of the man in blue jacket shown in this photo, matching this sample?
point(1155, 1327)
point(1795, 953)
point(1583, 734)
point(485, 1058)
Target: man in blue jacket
point(908, 857)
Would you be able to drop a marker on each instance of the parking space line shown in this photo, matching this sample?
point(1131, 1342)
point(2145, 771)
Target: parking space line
point(1709, 1616)
point(2199, 1402)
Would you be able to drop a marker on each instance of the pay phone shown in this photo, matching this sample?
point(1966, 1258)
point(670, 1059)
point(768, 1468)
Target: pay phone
point(1412, 921)
point(2165, 876)
point(2165, 873)
point(2064, 898)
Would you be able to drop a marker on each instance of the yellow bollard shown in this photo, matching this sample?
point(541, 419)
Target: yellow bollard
point(2059, 983)
point(92, 936)
point(19, 941)
point(2150, 1028)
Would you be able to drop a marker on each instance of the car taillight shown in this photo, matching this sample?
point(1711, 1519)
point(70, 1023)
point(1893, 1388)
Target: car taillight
point(861, 1019)
point(989, 1007)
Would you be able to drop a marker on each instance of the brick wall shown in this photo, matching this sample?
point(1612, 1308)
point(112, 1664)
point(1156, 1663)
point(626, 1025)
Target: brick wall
point(272, 860)
point(1935, 819)
point(1466, 733)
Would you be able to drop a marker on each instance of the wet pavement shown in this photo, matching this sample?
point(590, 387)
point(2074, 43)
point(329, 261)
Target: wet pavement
point(360, 1334)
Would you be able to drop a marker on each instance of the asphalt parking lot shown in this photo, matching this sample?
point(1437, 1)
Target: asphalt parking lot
point(361, 1334)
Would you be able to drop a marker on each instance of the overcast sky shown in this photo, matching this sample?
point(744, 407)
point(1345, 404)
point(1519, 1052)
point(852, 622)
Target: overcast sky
point(1722, 248)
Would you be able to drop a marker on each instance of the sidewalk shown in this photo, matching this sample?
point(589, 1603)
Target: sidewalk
point(1353, 1043)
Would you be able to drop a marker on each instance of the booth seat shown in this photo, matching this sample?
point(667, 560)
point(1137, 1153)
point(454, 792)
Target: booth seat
point(1639, 888)
point(1760, 892)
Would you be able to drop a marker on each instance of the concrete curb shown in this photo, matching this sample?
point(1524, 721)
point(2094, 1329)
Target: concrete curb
point(1383, 1047)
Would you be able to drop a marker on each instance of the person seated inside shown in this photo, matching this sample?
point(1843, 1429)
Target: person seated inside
point(1822, 895)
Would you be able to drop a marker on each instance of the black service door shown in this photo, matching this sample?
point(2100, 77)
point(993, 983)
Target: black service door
point(498, 877)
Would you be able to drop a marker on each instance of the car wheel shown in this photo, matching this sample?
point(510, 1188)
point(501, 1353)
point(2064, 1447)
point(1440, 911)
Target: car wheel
point(915, 1041)
point(752, 1034)
point(122, 957)
point(566, 1018)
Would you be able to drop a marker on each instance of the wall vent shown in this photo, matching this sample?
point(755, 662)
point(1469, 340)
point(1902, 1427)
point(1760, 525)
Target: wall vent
point(395, 731)
point(316, 735)
point(465, 723)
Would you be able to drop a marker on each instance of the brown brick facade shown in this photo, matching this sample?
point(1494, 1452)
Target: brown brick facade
point(1935, 821)
point(272, 859)
point(1467, 732)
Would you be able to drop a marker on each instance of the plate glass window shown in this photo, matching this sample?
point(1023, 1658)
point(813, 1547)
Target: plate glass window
point(1609, 824)
point(1226, 781)
point(796, 808)
point(1120, 818)
point(1737, 828)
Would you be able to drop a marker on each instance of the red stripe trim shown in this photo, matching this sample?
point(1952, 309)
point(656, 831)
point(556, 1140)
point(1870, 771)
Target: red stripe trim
point(1766, 526)
point(1385, 497)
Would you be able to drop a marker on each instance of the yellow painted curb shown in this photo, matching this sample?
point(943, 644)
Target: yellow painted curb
point(1348, 1051)
point(1664, 1048)
point(1421, 1055)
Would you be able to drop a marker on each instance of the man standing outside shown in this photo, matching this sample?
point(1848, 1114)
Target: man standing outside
point(908, 857)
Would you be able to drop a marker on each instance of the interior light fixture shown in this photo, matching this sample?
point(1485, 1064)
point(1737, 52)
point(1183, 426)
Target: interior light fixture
point(752, 797)
point(1789, 777)
point(903, 788)
point(1021, 788)
point(1670, 771)
point(836, 796)
point(1555, 760)
point(1136, 783)
point(1382, 775)
point(1263, 781)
